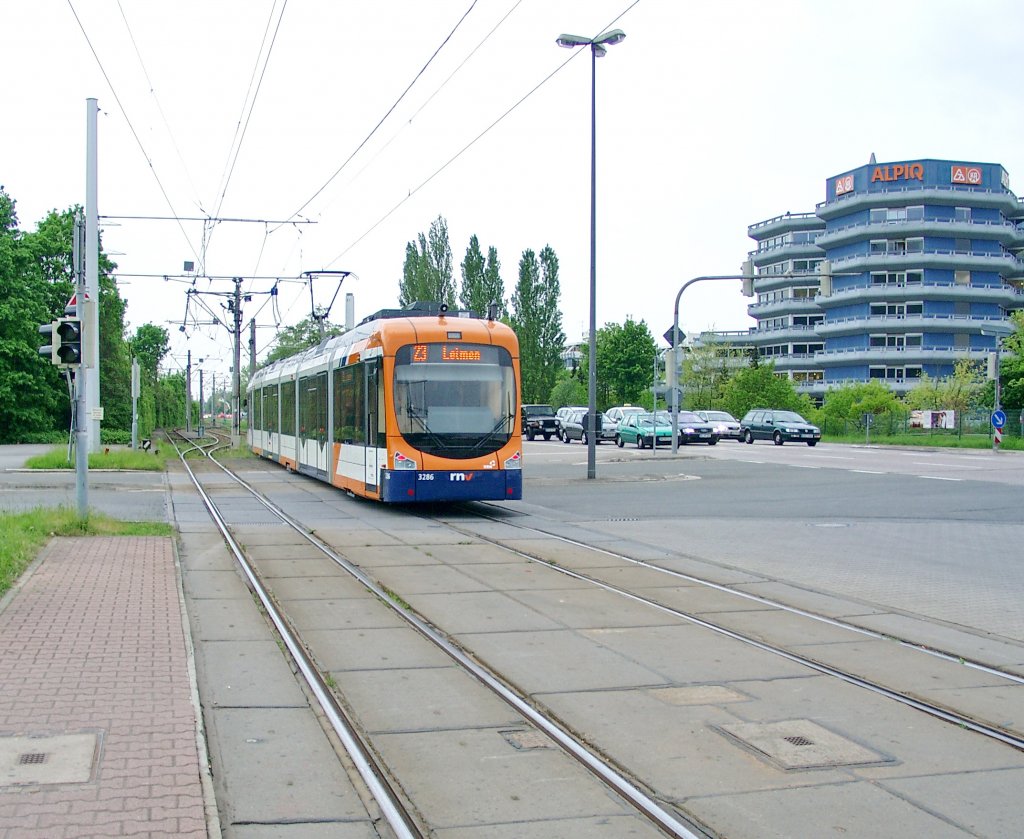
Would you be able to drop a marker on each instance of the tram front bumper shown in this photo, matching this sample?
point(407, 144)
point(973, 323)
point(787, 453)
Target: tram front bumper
point(404, 486)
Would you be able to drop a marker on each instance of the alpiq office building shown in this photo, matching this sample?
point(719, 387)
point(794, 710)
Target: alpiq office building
point(922, 270)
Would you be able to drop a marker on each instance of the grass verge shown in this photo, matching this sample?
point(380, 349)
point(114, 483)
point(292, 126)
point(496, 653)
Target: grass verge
point(111, 457)
point(22, 535)
point(938, 441)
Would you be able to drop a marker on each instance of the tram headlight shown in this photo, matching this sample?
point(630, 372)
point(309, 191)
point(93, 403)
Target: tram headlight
point(514, 462)
point(403, 462)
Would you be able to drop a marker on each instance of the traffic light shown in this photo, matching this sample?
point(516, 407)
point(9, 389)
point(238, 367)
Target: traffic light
point(747, 270)
point(68, 346)
point(48, 331)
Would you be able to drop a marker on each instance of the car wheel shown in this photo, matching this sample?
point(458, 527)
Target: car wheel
point(618, 441)
point(640, 441)
point(565, 437)
point(777, 438)
point(530, 435)
point(748, 437)
point(683, 440)
point(584, 439)
point(812, 443)
point(712, 441)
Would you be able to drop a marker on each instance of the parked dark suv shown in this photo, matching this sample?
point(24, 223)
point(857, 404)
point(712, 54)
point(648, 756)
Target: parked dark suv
point(539, 419)
point(779, 427)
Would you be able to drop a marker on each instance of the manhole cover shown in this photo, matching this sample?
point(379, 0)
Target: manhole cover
point(57, 759)
point(801, 744)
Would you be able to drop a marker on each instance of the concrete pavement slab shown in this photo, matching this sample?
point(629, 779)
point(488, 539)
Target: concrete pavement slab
point(345, 613)
point(558, 661)
point(374, 649)
point(247, 673)
point(279, 768)
point(223, 620)
point(480, 611)
point(424, 699)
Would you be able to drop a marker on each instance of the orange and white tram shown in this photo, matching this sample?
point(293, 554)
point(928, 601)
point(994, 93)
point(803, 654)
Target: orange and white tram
point(416, 404)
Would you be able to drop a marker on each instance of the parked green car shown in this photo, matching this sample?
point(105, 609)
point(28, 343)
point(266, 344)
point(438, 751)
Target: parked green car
point(643, 429)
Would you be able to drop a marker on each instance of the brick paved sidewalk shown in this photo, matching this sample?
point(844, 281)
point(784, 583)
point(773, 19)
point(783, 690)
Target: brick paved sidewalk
point(97, 723)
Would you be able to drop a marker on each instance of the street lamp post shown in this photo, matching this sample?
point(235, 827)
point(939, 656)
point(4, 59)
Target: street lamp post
point(748, 278)
point(598, 47)
point(999, 331)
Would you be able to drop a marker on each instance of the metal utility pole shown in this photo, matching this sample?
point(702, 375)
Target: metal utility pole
point(135, 404)
point(80, 407)
point(236, 401)
point(199, 432)
point(252, 347)
point(188, 393)
point(89, 288)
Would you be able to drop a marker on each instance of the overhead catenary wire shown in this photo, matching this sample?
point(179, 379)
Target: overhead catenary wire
point(131, 128)
point(474, 141)
point(390, 110)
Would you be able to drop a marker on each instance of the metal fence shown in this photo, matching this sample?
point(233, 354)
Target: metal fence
point(900, 423)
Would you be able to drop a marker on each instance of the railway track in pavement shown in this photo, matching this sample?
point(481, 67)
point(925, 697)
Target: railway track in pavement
point(605, 595)
point(403, 815)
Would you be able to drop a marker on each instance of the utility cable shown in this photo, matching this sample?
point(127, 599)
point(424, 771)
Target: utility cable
point(131, 127)
point(386, 115)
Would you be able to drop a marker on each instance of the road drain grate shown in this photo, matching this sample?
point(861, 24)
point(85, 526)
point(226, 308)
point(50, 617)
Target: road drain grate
point(799, 741)
point(801, 744)
point(32, 758)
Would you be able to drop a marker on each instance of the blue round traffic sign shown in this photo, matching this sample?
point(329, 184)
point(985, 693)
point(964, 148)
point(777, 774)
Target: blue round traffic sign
point(998, 419)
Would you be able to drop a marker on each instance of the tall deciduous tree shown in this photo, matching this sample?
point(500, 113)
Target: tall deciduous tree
point(301, 336)
point(427, 272)
point(472, 293)
point(625, 363)
point(33, 399)
point(759, 387)
point(537, 319)
point(494, 286)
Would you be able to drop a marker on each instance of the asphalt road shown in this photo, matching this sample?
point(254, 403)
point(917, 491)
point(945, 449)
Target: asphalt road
point(930, 532)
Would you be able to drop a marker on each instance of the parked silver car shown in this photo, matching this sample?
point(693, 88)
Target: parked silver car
point(575, 428)
point(727, 427)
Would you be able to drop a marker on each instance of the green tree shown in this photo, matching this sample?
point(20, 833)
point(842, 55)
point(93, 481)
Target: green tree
point(568, 390)
point(537, 321)
point(625, 363)
point(706, 369)
point(847, 405)
point(472, 294)
point(493, 285)
point(33, 398)
point(427, 272)
point(757, 386)
point(150, 346)
point(294, 339)
point(962, 392)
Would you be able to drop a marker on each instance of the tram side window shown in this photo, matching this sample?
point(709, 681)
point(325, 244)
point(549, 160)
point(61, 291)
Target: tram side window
point(270, 405)
point(288, 408)
point(256, 410)
point(349, 416)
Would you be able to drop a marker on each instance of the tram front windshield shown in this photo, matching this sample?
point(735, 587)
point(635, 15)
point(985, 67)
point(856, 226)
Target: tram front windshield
point(453, 399)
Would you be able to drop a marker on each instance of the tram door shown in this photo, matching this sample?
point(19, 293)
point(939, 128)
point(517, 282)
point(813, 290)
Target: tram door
point(313, 424)
point(373, 414)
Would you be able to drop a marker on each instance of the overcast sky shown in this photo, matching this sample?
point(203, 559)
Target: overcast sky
point(710, 116)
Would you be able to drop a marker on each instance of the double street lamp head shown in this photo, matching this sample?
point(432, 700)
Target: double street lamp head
point(597, 45)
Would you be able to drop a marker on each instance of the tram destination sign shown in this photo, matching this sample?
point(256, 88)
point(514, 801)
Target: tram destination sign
point(443, 353)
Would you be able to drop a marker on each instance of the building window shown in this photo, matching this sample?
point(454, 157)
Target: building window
point(897, 278)
point(896, 310)
point(961, 214)
point(962, 245)
point(891, 215)
point(808, 376)
point(962, 277)
point(804, 292)
point(808, 320)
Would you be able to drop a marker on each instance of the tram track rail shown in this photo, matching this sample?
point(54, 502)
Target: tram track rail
point(374, 775)
point(1009, 737)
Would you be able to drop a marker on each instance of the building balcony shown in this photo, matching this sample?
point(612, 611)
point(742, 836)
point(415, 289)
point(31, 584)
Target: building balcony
point(955, 196)
point(788, 306)
point(776, 282)
point(1004, 232)
point(1004, 264)
point(784, 224)
point(781, 335)
point(890, 324)
point(896, 356)
point(784, 252)
point(1007, 296)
